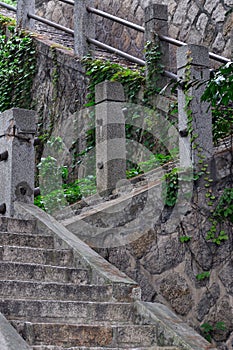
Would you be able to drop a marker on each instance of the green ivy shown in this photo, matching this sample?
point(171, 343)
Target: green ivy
point(17, 67)
point(101, 70)
point(219, 93)
point(208, 330)
point(10, 2)
point(170, 187)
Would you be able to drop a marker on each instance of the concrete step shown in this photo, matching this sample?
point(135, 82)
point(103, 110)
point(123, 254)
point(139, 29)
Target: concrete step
point(54, 347)
point(54, 257)
point(42, 273)
point(54, 291)
point(26, 240)
point(68, 335)
point(72, 312)
point(17, 225)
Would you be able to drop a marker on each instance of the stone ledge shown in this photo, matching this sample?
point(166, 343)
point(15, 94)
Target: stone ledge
point(172, 327)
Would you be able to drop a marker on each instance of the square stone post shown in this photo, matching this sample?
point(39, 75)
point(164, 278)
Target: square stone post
point(84, 27)
point(156, 23)
point(17, 161)
point(110, 136)
point(24, 7)
point(195, 118)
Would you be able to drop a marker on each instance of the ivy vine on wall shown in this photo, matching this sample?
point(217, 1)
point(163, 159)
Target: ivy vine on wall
point(17, 66)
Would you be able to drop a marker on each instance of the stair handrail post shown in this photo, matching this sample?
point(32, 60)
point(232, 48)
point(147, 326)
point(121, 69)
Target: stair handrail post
point(195, 117)
point(23, 9)
point(84, 27)
point(17, 169)
point(110, 136)
point(156, 24)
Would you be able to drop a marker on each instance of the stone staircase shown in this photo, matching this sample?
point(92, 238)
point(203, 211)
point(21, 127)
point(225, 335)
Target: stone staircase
point(57, 300)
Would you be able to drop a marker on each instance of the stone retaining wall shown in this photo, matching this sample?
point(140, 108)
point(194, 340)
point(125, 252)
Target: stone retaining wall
point(166, 269)
point(59, 89)
point(199, 22)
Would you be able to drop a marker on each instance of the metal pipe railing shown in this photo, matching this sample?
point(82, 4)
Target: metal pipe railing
point(218, 58)
point(132, 25)
point(116, 51)
point(127, 56)
point(176, 42)
point(50, 23)
point(70, 2)
point(8, 7)
point(116, 19)
point(142, 30)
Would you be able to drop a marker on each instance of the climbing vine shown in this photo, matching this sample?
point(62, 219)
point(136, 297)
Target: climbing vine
point(17, 66)
point(100, 70)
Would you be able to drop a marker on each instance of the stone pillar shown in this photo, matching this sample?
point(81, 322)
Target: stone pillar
point(156, 23)
point(110, 136)
point(23, 8)
point(84, 27)
point(17, 129)
point(195, 118)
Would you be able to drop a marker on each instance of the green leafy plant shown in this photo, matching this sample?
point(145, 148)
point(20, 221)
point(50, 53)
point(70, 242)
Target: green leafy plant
point(208, 330)
point(10, 2)
point(17, 68)
point(185, 239)
point(170, 187)
point(101, 70)
point(154, 70)
point(223, 212)
point(219, 94)
point(203, 275)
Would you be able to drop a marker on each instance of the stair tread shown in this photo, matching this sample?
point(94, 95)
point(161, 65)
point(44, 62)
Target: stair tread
point(31, 290)
point(41, 265)
point(48, 347)
point(17, 225)
point(36, 249)
point(42, 272)
point(39, 347)
point(87, 335)
point(26, 240)
point(54, 257)
point(50, 311)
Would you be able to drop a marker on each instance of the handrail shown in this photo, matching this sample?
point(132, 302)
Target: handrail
point(116, 51)
point(142, 30)
point(116, 19)
point(176, 42)
point(132, 25)
point(70, 2)
point(218, 58)
point(127, 56)
point(9, 7)
point(50, 23)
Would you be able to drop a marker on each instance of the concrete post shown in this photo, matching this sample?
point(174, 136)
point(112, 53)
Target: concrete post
point(23, 8)
point(17, 129)
point(84, 27)
point(195, 119)
point(110, 136)
point(156, 23)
